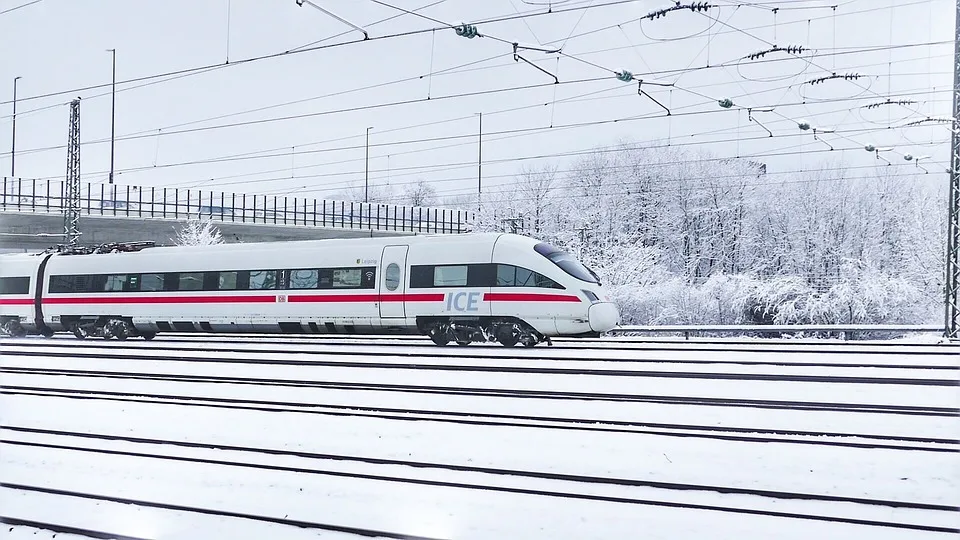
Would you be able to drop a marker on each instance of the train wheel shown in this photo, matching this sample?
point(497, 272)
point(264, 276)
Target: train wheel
point(46, 332)
point(507, 337)
point(148, 335)
point(463, 343)
point(79, 331)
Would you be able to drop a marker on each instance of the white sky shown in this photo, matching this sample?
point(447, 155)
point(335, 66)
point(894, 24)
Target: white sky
point(60, 45)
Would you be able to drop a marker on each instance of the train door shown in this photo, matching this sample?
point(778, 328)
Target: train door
point(393, 266)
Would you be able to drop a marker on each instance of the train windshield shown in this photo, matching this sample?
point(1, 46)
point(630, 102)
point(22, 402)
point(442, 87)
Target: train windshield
point(567, 263)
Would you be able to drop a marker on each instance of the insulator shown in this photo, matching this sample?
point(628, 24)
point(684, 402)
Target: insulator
point(869, 148)
point(726, 103)
point(468, 31)
point(908, 157)
point(804, 125)
point(625, 76)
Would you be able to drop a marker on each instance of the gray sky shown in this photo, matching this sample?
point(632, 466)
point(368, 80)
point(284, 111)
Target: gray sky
point(60, 45)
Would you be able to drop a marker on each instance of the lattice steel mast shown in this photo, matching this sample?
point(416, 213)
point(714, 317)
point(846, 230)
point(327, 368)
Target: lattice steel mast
point(952, 326)
point(71, 203)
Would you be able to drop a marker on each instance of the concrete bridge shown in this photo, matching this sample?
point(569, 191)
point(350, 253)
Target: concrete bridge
point(31, 216)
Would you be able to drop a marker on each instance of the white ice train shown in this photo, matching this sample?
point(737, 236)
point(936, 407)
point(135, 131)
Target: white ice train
point(453, 288)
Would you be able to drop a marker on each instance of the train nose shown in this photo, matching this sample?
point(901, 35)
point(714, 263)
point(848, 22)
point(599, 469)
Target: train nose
point(603, 316)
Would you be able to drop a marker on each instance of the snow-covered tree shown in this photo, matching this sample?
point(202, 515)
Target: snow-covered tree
point(197, 232)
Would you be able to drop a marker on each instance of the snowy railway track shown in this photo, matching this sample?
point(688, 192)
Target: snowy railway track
point(815, 346)
point(182, 508)
point(579, 487)
point(943, 359)
point(499, 392)
point(207, 357)
point(725, 433)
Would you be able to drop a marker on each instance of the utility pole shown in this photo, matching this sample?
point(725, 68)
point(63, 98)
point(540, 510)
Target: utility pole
point(952, 282)
point(480, 164)
point(71, 206)
point(113, 110)
point(13, 144)
point(366, 169)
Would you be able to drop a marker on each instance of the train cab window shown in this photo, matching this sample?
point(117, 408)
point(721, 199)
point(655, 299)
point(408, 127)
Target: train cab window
point(567, 262)
point(450, 276)
point(391, 277)
point(15, 285)
point(263, 279)
point(304, 279)
point(151, 282)
point(190, 281)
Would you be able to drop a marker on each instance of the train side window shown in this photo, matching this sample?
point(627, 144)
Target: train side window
point(191, 281)
point(90, 283)
point(151, 282)
point(304, 279)
point(481, 275)
point(450, 276)
point(421, 277)
point(263, 279)
point(544, 282)
point(524, 278)
point(15, 285)
point(347, 278)
point(227, 281)
point(171, 281)
point(506, 275)
point(515, 276)
point(60, 284)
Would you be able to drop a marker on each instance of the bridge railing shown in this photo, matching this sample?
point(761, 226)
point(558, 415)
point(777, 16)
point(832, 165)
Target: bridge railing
point(30, 195)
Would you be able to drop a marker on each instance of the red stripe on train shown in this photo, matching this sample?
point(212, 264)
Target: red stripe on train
point(16, 301)
point(209, 299)
point(529, 297)
point(293, 298)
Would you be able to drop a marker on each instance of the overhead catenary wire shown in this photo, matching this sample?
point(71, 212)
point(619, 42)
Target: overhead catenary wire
point(283, 153)
point(168, 132)
point(281, 54)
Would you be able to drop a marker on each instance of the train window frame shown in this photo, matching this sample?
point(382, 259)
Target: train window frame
point(15, 285)
point(190, 277)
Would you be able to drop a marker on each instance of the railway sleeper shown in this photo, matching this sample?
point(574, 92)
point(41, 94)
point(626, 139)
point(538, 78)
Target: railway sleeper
point(508, 331)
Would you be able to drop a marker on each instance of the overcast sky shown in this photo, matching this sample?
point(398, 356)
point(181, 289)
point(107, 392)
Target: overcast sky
point(60, 46)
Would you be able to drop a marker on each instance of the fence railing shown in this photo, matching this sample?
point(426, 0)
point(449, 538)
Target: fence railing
point(846, 330)
point(29, 195)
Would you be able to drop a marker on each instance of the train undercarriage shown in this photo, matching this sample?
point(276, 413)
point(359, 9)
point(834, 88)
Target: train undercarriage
point(507, 331)
point(104, 327)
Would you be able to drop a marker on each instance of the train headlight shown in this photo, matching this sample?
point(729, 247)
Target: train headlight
point(590, 296)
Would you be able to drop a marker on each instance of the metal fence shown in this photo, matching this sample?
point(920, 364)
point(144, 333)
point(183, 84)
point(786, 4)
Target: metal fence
point(845, 330)
point(29, 195)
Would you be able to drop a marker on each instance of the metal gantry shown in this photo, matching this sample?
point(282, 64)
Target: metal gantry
point(952, 322)
point(71, 206)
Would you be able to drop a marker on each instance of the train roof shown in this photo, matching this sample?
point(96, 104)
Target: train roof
point(328, 243)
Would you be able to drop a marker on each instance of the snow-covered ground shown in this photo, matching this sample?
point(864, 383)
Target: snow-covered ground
point(381, 473)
